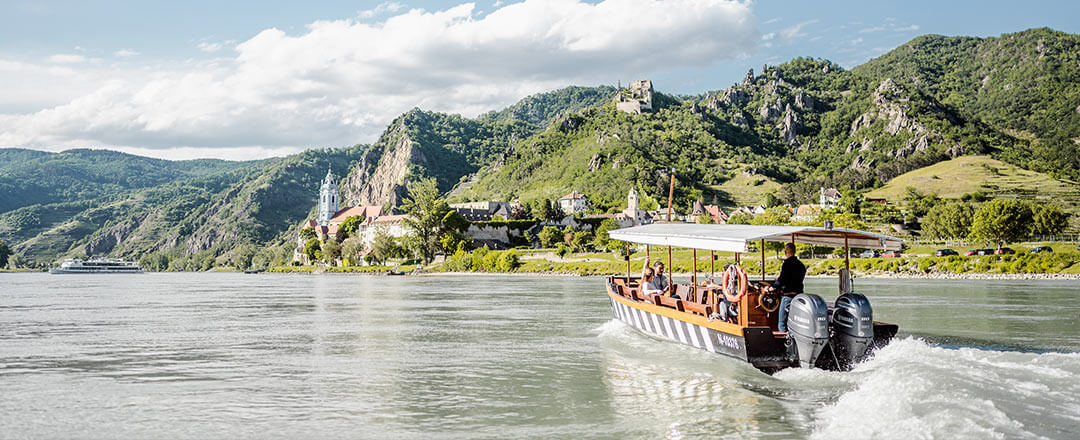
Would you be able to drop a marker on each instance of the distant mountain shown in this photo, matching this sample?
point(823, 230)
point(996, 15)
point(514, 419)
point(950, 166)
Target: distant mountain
point(787, 129)
point(542, 108)
point(809, 123)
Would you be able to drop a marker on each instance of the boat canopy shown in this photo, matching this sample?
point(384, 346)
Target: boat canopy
point(736, 238)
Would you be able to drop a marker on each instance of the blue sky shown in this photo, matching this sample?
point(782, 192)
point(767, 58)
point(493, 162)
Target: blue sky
point(244, 79)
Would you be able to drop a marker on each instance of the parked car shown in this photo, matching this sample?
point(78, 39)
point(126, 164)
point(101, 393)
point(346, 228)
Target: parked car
point(945, 252)
point(869, 253)
point(979, 252)
point(1004, 251)
point(891, 254)
point(1041, 249)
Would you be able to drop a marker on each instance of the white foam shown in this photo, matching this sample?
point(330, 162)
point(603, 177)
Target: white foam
point(912, 390)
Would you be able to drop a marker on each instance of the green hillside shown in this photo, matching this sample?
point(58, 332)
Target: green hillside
point(954, 178)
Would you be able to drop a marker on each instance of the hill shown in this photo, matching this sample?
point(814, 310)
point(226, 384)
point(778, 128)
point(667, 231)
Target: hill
point(969, 105)
point(954, 178)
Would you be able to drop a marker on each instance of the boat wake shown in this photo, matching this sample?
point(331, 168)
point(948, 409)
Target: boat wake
point(911, 389)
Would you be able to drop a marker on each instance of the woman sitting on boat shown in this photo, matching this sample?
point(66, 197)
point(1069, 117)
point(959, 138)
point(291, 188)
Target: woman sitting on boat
point(656, 282)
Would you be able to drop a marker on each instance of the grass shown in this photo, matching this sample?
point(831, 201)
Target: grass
point(748, 190)
point(968, 174)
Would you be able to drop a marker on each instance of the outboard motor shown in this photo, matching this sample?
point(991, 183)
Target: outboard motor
point(808, 327)
point(853, 329)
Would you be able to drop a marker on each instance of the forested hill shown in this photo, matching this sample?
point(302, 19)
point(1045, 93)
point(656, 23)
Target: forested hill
point(809, 123)
point(786, 130)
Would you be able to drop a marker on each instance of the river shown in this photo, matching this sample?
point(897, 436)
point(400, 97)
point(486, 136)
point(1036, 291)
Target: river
point(220, 355)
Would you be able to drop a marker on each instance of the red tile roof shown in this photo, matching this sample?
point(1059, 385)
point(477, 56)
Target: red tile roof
point(573, 195)
point(366, 211)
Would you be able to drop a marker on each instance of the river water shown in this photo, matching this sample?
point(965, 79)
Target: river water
point(347, 356)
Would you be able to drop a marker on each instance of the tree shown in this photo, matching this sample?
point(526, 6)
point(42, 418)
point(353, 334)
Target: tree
point(1001, 221)
point(918, 204)
point(307, 233)
point(772, 201)
point(242, 256)
point(549, 236)
point(331, 251)
point(580, 240)
point(383, 246)
point(426, 210)
point(602, 241)
point(741, 218)
point(551, 211)
point(948, 220)
point(779, 215)
point(349, 227)
point(351, 251)
point(5, 252)
point(311, 249)
point(1048, 220)
point(850, 201)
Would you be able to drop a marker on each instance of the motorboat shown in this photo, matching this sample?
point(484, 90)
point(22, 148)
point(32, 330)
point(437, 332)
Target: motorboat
point(738, 316)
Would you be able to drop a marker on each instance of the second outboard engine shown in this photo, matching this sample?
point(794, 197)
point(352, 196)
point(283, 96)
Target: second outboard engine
point(808, 327)
point(853, 329)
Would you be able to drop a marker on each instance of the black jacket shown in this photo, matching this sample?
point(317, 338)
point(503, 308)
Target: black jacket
point(791, 276)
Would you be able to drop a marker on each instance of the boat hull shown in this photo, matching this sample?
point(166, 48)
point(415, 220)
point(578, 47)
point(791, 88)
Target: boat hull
point(763, 348)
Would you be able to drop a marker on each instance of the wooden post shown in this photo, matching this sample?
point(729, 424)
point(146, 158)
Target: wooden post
point(671, 195)
point(671, 280)
point(847, 255)
point(627, 256)
point(712, 264)
point(762, 259)
point(693, 276)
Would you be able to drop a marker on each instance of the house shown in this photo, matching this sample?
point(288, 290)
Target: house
point(482, 211)
point(806, 213)
point(829, 198)
point(716, 214)
point(573, 203)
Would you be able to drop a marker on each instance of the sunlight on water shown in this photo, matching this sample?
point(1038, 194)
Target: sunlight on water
point(286, 356)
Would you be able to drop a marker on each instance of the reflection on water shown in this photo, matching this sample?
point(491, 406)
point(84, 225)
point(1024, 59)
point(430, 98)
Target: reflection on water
point(285, 356)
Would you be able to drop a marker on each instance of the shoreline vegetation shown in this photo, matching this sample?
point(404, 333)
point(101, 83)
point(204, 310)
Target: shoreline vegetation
point(1061, 264)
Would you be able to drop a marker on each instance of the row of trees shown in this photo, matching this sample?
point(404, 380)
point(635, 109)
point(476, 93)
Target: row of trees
point(999, 220)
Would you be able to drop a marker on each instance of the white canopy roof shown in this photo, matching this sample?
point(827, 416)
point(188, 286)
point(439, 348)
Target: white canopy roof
point(735, 238)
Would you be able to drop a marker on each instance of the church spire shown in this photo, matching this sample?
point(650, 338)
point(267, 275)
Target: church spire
point(328, 199)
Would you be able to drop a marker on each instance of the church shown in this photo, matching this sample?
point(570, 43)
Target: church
point(330, 216)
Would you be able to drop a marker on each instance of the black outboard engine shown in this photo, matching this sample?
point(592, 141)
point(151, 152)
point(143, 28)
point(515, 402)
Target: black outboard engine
point(853, 329)
point(808, 327)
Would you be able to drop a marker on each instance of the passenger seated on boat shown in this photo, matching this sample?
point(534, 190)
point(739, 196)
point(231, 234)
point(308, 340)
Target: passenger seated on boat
point(789, 283)
point(658, 283)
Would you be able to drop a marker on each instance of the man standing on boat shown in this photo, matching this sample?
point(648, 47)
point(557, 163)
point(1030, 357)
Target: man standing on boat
point(789, 283)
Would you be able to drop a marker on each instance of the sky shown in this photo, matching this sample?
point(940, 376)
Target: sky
point(254, 79)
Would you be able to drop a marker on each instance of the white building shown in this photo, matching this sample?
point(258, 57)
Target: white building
point(573, 203)
point(830, 198)
point(328, 199)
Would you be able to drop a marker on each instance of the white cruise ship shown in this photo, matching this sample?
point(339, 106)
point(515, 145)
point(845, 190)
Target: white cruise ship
point(97, 265)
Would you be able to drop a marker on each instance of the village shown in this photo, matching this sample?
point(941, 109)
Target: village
point(354, 235)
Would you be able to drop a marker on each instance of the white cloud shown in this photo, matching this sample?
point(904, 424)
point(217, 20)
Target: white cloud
point(383, 8)
point(871, 29)
point(66, 58)
point(125, 53)
point(211, 47)
point(911, 28)
point(786, 35)
point(340, 82)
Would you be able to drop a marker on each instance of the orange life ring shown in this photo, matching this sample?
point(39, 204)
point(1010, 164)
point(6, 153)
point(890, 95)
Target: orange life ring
point(729, 290)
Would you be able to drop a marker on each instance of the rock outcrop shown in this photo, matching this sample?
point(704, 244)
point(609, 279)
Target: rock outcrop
point(789, 130)
point(379, 178)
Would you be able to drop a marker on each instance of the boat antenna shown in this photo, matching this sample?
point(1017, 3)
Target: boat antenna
point(671, 195)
